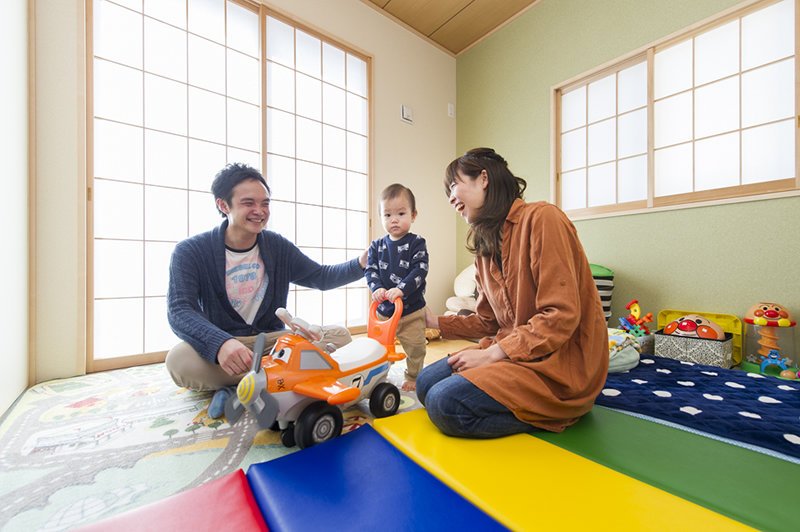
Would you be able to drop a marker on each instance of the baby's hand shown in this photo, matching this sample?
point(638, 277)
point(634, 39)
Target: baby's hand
point(379, 295)
point(393, 294)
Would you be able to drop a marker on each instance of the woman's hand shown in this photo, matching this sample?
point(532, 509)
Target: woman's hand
point(362, 259)
point(431, 319)
point(473, 358)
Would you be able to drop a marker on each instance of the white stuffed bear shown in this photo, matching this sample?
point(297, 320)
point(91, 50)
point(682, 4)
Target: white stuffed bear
point(465, 289)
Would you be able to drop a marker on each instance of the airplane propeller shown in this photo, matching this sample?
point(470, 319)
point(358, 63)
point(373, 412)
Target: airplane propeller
point(252, 393)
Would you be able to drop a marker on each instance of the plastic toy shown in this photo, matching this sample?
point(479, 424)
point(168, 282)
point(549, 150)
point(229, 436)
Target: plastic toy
point(634, 323)
point(769, 315)
point(301, 389)
point(695, 326)
point(770, 339)
point(774, 358)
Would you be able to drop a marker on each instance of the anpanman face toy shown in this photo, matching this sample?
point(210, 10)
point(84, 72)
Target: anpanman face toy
point(695, 326)
point(769, 314)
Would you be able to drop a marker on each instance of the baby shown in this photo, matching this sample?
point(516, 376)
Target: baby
point(396, 267)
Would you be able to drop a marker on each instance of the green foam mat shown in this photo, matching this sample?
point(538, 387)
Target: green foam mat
point(756, 489)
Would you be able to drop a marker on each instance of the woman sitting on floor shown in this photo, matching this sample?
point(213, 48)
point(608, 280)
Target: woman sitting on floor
point(543, 357)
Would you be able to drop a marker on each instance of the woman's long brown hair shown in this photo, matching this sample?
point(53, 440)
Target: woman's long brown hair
point(486, 230)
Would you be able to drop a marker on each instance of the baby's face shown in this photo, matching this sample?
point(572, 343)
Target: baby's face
point(397, 216)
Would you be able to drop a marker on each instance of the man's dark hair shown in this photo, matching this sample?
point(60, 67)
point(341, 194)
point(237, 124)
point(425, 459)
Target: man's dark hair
point(230, 176)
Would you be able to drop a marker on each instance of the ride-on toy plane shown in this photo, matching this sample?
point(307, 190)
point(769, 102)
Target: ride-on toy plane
point(301, 388)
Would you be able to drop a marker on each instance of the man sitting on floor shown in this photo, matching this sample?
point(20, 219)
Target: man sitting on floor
point(225, 285)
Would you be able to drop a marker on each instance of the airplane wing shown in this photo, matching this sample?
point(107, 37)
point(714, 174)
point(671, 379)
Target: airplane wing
point(327, 389)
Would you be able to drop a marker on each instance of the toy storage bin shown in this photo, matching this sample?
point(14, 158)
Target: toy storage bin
point(647, 344)
point(722, 353)
point(696, 350)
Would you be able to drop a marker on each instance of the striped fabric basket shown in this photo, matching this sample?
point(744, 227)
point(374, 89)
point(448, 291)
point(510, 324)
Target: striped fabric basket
point(604, 280)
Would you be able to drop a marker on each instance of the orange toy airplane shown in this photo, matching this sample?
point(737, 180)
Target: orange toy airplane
point(301, 388)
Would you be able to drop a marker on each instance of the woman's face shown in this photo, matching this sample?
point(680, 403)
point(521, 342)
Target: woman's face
point(467, 195)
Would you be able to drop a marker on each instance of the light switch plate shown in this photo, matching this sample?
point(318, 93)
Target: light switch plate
point(406, 114)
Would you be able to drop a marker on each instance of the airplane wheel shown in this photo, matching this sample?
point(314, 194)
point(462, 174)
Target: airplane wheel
point(319, 422)
point(384, 400)
point(287, 436)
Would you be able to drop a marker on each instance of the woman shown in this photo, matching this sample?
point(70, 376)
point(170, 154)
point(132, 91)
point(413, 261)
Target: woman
point(543, 355)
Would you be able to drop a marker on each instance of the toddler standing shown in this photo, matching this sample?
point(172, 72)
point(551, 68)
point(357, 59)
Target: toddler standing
point(396, 267)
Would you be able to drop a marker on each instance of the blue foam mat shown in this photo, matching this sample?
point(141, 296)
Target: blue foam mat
point(359, 481)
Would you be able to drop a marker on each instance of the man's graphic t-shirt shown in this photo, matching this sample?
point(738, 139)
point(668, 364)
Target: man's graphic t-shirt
point(245, 281)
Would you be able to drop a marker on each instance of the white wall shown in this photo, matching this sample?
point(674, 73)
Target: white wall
point(406, 70)
point(60, 184)
point(14, 154)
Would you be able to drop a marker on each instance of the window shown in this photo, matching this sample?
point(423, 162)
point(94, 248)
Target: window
point(707, 116)
point(604, 140)
point(317, 148)
point(178, 89)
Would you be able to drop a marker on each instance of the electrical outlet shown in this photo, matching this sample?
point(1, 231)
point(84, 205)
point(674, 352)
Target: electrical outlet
point(451, 110)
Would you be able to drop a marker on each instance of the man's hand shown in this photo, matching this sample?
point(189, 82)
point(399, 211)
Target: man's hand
point(473, 358)
point(393, 294)
point(234, 358)
point(379, 295)
point(362, 260)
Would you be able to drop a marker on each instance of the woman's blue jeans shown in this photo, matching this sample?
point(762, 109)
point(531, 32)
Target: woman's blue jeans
point(459, 408)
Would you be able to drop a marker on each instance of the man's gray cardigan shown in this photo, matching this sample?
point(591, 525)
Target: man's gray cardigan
point(197, 304)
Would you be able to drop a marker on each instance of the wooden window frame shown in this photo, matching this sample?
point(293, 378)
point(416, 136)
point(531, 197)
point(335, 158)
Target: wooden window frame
point(104, 364)
point(733, 194)
point(322, 36)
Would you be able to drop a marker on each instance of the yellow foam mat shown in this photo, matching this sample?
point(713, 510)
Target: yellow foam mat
point(528, 484)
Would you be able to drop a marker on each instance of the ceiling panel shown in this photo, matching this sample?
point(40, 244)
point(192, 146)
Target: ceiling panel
point(425, 16)
point(475, 21)
point(452, 24)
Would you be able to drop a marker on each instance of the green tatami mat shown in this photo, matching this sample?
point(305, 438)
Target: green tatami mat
point(750, 487)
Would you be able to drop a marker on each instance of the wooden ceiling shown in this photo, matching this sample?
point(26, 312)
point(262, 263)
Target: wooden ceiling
point(454, 25)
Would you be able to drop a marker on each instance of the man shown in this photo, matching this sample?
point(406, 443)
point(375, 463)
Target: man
point(226, 284)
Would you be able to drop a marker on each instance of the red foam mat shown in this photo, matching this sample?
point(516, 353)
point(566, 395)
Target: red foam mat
point(222, 504)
